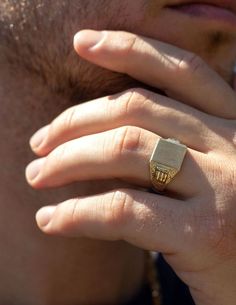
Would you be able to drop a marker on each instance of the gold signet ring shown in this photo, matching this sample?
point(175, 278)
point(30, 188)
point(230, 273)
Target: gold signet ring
point(166, 162)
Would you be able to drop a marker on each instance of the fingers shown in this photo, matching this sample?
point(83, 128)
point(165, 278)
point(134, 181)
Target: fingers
point(135, 107)
point(119, 215)
point(122, 153)
point(180, 74)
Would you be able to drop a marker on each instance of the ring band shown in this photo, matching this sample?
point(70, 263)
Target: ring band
point(166, 162)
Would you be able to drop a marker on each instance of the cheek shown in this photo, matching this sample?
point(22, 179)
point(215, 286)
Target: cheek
point(24, 108)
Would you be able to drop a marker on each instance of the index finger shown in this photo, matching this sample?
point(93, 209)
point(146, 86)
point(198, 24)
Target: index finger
point(179, 73)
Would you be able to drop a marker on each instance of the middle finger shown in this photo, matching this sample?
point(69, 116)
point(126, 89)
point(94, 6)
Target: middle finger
point(122, 153)
point(136, 107)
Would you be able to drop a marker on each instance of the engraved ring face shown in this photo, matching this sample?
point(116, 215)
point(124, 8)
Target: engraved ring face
point(166, 162)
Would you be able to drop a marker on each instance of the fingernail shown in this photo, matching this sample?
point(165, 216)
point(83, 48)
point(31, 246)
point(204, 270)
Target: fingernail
point(44, 215)
point(34, 168)
point(88, 39)
point(38, 138)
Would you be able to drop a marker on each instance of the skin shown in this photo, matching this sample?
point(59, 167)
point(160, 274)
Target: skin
point(70, 85)
point(198, 237)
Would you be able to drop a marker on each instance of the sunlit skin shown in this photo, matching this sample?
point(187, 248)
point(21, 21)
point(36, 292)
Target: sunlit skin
point(41, 75)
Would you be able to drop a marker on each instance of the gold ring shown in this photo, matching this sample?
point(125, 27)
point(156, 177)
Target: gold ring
point(166, 162)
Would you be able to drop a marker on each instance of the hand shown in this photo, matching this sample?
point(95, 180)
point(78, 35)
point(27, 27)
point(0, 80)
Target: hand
point(194, 224)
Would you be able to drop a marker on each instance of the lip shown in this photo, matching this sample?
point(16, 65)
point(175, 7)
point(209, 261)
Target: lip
point(229, 5)
point(224, 13)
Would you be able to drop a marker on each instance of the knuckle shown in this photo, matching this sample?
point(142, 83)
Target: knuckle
point(66, 216)
point(134, 103)
point(68, 118)
point(130, 43)
point(118, 213)
point(126, 139)
point(55, 159)
point(190, 64)
point(64, 122)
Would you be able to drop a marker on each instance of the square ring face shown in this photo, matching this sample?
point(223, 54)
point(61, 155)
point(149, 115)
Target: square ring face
point(169, 153)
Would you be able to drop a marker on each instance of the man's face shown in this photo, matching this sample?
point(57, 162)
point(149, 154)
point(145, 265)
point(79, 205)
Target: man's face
point(41, 35)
